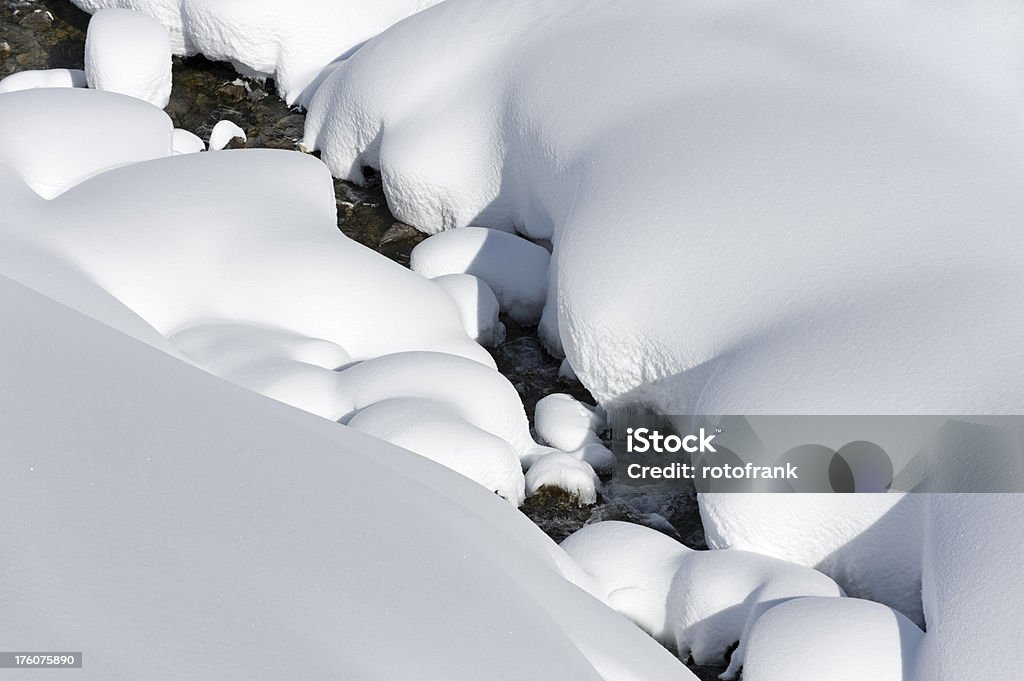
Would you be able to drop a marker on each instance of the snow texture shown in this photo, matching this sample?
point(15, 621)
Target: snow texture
point(839, 639)
point(514, 268)
point(27, 80)
point(973, 588)
point(130, 53)
point(291, 42)
point(266, 542)
point(478, 307)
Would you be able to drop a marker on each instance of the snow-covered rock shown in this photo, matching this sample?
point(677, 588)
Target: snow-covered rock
point(478, 307)
point(223, 132)
point(839, 639)
point(565, 423)
point(178, 512)
point(440, 432)
point(633, 567)
point(566, 472)
point(291, 42)
point(185, 142)
point(514, 268)
point(973, 587)
point(130, 53)
point(27, 80)
point(717, 596)
point(57, 137)
point(870, 544)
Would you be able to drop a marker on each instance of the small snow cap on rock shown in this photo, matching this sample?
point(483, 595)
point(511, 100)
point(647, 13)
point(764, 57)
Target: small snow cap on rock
point(130, 53)
point(185, 142)
point(223, 133)
point(565, 423)
point(565, 472)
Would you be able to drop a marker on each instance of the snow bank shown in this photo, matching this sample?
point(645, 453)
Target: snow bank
point(38, 140)
point(130, 53)
point(267, 542)
point(236, 260)
point(973, 588)
point(27, 80)
point(478, 307)
point(514, 268)
point(290, 42)
point(840, 639)
point(869, 543)
point(754, 208)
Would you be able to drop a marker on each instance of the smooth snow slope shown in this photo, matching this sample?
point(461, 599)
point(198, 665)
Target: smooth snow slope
point(166, 523)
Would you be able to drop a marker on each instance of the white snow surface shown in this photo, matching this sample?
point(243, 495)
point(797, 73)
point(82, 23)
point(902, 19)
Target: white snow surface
point(839, 639)
point(266, 542)
point(764, 204)
point(698, 602)
point(973, 588)
point(291, 42)
point(234, 261)
point(565, 423)
point(185, 142)
point(130, 53)
point(478, 307)
point(870, 544)
point(27, 80)
point(514, 268)
point(109, 130)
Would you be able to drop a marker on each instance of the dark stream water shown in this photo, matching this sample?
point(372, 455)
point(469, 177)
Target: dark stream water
point(41, 34)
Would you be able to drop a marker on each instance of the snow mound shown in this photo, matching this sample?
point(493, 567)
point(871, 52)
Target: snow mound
point(291, 42)
point(439, 432)
point(478, 307)
point(633, 567)
point(565, 423)
point(972, 587)
point(185, 142)
point(223, 132)
point(717, 596)
point(259, 537)
point(130, 53)
point(234, 261)
point(566, 472)
point(839, 639)
point(514, 268)
point(870, 544)
point(27, 80)
point(109, 130)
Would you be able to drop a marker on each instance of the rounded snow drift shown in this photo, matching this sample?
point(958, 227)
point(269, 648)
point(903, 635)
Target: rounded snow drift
point(130, 53)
